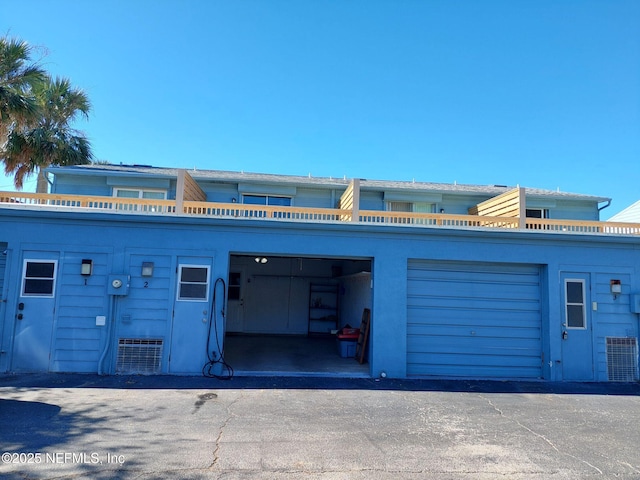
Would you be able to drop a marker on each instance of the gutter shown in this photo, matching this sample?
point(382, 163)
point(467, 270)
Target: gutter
point(605, 206)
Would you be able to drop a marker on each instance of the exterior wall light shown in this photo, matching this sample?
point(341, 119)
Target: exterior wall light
point(87, 267)
point(147, 269)
point(616, 288)
point(262, 260)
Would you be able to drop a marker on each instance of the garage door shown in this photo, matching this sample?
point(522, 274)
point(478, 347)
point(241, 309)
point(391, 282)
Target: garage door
point(474, 320)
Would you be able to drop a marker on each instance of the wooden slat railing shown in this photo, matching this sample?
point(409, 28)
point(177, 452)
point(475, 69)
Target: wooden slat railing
point(509, 204)
point(134, 205)
point(350, 201)
point(583, 226)
point(304, 214)
point(243, 210)
point(436, 219)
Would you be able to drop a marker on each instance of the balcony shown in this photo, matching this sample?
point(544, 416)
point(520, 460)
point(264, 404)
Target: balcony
point(203, 209)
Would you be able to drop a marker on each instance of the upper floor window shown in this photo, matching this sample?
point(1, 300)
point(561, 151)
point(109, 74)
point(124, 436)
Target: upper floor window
point(416, 207)
point(139, 193)
point(266, 200)
point(537, 213)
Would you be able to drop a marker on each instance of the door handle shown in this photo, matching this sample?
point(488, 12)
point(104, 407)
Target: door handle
point(565, 335)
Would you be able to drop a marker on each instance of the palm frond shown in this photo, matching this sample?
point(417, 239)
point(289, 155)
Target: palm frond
point(36, 112)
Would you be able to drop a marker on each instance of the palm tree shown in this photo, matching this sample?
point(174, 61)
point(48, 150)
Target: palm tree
point(39, 134)
point(17, 77)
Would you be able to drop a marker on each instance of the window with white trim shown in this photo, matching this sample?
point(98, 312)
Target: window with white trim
point(39, 278)
point(140, 193)
point(575, 308)
point(193, 283)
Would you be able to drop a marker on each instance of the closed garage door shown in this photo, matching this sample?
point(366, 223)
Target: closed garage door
point(474, 320)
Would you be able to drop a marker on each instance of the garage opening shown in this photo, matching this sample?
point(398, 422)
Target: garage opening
point(283, 314)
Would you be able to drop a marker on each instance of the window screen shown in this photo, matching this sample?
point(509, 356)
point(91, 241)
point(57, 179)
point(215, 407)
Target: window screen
point(194, 283)
point(38, 278)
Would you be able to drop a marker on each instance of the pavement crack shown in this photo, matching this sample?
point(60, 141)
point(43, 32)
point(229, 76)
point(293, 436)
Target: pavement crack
point(223, 426)
point(539, 435)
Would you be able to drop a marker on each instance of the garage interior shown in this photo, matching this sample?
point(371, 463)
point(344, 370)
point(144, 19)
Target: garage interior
point(283, 314)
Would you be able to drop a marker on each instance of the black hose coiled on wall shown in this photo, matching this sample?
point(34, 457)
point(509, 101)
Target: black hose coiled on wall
point(216, 357)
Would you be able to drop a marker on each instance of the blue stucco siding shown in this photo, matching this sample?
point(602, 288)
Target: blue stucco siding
point(77, 341)
point(118, 244)
point(222, 192)
point(575, 210)
point(104, 185)
point(613, 317)
point(71, 185)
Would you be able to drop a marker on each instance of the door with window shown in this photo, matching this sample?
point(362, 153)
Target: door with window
point(35, 313)
point(191, 315)
point(576, 331)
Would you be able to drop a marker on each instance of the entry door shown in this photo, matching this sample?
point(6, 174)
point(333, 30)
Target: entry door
point(191, 316)
point(576, 332)
point(35, 313)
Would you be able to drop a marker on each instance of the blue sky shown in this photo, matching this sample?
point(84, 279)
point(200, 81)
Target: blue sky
point(536, 93)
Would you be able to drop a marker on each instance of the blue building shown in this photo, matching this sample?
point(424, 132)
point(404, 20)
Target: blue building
point(137, 269)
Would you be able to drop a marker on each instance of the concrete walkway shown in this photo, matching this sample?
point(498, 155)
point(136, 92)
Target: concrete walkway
point(85, 426)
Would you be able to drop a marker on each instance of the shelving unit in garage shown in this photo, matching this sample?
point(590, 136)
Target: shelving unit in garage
point(323, 308)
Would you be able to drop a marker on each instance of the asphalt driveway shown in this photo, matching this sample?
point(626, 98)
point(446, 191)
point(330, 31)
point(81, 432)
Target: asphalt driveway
point(85, 426)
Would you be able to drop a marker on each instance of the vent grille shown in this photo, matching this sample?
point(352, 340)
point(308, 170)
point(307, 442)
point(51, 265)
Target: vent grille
point(622, 359)
point(139, 355)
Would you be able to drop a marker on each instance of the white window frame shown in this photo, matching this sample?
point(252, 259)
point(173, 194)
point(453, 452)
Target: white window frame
point(140, 192)
point(567, 304)
point(53, 279)
point(180, 283)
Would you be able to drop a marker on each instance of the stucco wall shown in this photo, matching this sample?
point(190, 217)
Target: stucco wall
point(117, 242)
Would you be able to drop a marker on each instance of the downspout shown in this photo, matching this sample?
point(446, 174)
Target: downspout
point(603, 207)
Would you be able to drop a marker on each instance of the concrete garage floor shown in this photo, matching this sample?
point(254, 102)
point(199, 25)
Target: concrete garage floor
point(275, 355)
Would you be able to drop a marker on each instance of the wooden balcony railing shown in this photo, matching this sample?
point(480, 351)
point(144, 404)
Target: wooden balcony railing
point(274, 213)
point(435, 219)
point(112, 204)
point(242, 210)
